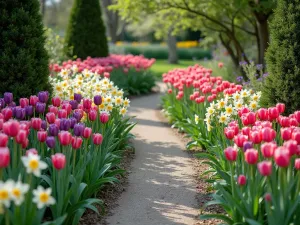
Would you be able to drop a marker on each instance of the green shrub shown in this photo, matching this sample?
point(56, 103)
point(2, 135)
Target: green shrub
point(134, 82)
point(161, 52)
point(23, 58)
point(283, 57)
point(86, 31)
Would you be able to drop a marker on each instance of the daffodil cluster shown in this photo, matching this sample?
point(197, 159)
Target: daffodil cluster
point(226, 109)
point(88, 84)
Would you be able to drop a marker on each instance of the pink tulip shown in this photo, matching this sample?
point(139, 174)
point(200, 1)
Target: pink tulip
point(263, 114)
point(286, 133)
point(31, 151)
point(42, 135)
point(11, 128)
point(251, 156)
point(58, 161)
point(76, 142)
point(92, 115)
point(104, 117)
point(3, 140)
point(265, 168)
point(36, 123)
point(282, 156)
point(268, 197)
point(50, 116)
point(268, 134)
point(280, 107)
point(56, 101)
point(231, 154)
point(65, 138)
point(4, 157)
point(242, 180)
point(97, 139)
point(267, 149)
point(240, 139)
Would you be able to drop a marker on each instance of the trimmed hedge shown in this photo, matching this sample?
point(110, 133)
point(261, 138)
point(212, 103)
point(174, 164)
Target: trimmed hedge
point(161, 52)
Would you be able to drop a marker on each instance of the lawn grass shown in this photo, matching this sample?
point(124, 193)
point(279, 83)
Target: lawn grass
point(162, 66)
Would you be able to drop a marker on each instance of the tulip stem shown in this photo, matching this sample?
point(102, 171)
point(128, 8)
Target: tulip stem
point(7, 217)
point(74, 159)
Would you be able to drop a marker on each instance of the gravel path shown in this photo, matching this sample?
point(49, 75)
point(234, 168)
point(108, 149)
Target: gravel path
point(161, 190)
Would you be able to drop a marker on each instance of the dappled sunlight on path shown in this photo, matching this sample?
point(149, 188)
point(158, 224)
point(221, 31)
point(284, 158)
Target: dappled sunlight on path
point(161, 186)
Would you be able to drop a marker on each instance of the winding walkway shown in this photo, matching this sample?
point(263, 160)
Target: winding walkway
point(161, 188)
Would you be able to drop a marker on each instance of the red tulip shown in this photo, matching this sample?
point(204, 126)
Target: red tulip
point(58, 161)
point(297, 116)
point(251, 117)
point(25, 143)
point(231, 153)
point(33, 100)
point(7, 113)
point(240, 139)
point(246, 131)
point(255, 137)
point(87, 103)
point(291, 145)
point(251, 156)
point(267, 149)
point(242, 180)
point(56, 101)
point(273, 113)
point(3, 140)
point(280, 107)
point(87, 132)
point(50, 116)
point(4, 157)
point(297, 164)
point(36, 123)
point(294, 122)
point(229, 133)
point(92, 115)
point(65, 138)
point(11, 128)
point(170, 91)
point(282, 156)
point(76, 142)
point(263, 114)
point(104, 117)
point(21, 136)
point(97, 139)
point(265, 168)
point(284, 121)
point(42, 135)
point(296, 136)
point(286, 133)
point(268, 134)
point(62, 113)
point(268, 197)
point(24, 102)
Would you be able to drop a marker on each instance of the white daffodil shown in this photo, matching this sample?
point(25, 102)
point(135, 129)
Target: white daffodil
point(5, 192)
point(223, 118)
point(238, 105)
point(42, 197)
point(126, 102)
point(253, 105)
point(33, 164)
point(229, 110)
point(109, 107)
point(210, 110)
point(118, 101)
point(196, 119)
point(18, 191)
point(221, 104)
point(123, 111)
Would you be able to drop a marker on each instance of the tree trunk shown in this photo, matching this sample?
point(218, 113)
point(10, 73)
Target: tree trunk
point(172, 49)
point(43, 7)
point(263, 32)
point(112, 20)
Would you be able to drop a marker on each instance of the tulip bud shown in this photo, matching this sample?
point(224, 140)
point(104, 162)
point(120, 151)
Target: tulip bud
point(291, 145)
point(50, 116)
point(297, 164)
point(11, 128)
point(104, 117)
point(286, 133)
point(24, 102)
point(280, 107)
point(50, 142)
point(32, 151)
point(92, 115)
point(33, 100)
point(65, 138)
point(170, 91)
point(267, 149)
point(263, 114)
point(76, 142)
point(97, 139)
point(87, 132)
point(231, 154)
point(268, 197)
point(251, 156)
point(36, 123)
point(42, 135)
point(282, 156)
point(56, 101)
point(4, 157)
point(242, 180)
point(58, 161)
point(265, 168)
point(3, 140)
point(268, 134)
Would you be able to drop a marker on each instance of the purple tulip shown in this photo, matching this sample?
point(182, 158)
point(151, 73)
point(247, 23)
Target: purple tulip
point(77, 116)
point(97, 100)
point(53, 130)
point(74, 104)
point(77, 97)
point(20, 113)
point(13, 109)
point(2, 103)
point(29, 110)
point(44, 125)
point(43, 96)
point(40, 107)
point(8, 97)
point(65, 124)
point(247, 145)
point(73, 122)
point(78, 129)
point(50, 141)
point(12, 104)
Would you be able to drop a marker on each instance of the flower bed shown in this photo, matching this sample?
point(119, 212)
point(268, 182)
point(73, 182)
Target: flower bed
point(253, 152)
point(55, 158)
point(128, 72)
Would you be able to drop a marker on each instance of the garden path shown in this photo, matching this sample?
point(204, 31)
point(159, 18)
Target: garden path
point(161, 187)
